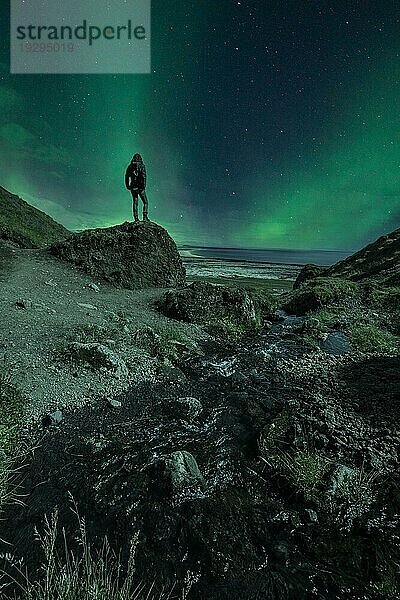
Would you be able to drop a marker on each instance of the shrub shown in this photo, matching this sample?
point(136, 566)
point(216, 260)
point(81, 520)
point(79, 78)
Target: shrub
point(11, 414)
point(385, 297)
point(90, 333)
point(305, 470)
point(351, 494)
point(163, 341)
point(224, 327)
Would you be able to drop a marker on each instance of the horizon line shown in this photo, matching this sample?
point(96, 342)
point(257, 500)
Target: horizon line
point(262, 249)
point(189, 245)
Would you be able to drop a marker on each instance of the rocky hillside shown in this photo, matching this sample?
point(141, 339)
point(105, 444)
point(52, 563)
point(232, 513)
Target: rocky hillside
point(26, 226)
point(131, 255)
point(378, 262)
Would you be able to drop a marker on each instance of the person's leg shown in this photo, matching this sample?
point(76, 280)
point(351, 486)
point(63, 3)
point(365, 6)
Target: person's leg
point(143, 196)
point(135, 205)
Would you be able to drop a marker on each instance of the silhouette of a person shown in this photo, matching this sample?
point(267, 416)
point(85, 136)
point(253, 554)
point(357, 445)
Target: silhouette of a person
point(135, 181)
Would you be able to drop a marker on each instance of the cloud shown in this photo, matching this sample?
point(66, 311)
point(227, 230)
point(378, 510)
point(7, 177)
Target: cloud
point(70, 219)
point(11, 102)
point(14, 137)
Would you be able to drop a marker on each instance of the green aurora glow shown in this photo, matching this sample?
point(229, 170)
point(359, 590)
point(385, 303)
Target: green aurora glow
point(276, 132)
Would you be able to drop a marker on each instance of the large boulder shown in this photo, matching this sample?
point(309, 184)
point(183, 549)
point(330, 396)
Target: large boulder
point(206, 303)
point(25, 226)
point(308, 272)
point(319, 292)
point(131, 255)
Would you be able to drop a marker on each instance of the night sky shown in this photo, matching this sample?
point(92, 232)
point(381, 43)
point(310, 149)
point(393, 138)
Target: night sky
point(264, 124)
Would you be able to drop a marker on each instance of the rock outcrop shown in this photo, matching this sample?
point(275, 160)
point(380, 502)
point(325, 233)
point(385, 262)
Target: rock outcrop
point(308, 272)
point(131, 255)
point(319, 292)
point(25, 226)
point(205, 304)
point(99, 357)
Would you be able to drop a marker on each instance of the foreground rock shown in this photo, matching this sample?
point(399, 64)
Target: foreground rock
point(26, 226)
point(287, 471)
point(215, 305)
point(131, 255)
point(98, 356)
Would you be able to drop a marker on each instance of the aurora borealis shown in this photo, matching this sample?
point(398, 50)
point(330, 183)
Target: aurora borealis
point(263, 124)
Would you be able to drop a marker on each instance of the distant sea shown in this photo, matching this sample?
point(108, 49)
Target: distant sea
point(253, 263)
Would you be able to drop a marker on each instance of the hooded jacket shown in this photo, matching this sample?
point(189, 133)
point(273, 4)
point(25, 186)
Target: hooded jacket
point(135, 176)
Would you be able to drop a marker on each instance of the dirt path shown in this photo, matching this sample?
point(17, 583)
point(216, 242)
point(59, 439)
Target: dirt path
point(42, 307)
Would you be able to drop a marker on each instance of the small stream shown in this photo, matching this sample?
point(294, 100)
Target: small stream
point(282, 339)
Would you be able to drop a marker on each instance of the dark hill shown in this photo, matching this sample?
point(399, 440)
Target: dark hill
point(378, 262)
point(131, 255)
point(26, 226)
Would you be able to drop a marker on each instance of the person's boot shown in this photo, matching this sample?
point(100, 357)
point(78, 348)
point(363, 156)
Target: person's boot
point(145, 218)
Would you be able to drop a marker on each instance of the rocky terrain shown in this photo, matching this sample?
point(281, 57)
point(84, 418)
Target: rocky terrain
point(259, 458)
point(56, 319)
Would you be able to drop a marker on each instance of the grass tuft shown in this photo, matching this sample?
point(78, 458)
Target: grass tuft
point(91, 575)
point(371, 338)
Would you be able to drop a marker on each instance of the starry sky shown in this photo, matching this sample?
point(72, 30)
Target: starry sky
point(264, 124)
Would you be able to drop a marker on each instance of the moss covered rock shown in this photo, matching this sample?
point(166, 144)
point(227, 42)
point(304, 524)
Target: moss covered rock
point(319, 292)
point(214, 305)
point(308, 272)
point(98, 356)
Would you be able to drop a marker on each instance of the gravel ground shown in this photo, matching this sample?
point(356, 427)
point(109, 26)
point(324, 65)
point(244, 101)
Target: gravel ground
point(40, 309)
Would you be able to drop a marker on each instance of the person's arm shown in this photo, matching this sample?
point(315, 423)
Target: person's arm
point(144, 176)
point(128, 179)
